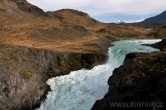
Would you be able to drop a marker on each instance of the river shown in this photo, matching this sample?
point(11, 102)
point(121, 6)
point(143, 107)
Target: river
point(80, 89)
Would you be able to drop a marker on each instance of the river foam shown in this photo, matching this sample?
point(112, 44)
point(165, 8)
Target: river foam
point(80, 89)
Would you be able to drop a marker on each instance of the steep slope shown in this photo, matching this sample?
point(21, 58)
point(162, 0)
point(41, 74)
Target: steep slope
point(140, 81)
point(155, 21)
point(34, 47)
point(24, 71)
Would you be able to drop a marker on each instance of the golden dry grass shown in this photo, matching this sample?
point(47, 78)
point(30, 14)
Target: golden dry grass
point(58, 31)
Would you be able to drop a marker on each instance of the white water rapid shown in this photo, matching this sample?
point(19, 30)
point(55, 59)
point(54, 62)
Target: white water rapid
point(80, 89)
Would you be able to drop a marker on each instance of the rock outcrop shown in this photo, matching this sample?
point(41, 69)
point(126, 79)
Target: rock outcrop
point(36, 46)
point(161, 45)
point(24, 71)
point(142, 78)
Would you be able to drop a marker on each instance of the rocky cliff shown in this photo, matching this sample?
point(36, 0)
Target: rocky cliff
point(35, 46)
point(24, 71)
point(140, 79)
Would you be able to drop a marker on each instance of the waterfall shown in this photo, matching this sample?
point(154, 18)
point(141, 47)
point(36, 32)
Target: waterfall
point(80, 89)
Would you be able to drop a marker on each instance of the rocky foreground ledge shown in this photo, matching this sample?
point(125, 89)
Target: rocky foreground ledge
point(24, 71)
point(141, 80)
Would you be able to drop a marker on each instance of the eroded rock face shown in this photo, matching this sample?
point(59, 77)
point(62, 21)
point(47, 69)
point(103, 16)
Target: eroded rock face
point(24, 71)
point(142, 78)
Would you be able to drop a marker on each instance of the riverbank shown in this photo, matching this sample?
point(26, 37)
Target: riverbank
point(72, 91)
point(140, 79)
point(24, 72)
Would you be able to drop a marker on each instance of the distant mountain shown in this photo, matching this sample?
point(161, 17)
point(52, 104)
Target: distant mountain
point(155, 21)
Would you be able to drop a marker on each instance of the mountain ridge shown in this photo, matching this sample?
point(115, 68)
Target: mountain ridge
point(156, 21)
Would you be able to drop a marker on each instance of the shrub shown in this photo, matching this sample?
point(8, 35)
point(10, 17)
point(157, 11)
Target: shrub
point(62, 62)
point(27, 74)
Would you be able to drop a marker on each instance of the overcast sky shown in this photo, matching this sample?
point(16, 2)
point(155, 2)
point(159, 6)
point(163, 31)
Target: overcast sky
point(108, 10)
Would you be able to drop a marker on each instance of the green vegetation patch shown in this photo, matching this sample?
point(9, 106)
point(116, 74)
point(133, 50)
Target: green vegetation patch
point(27, 74)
